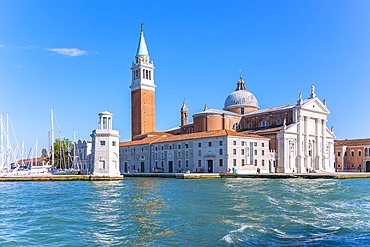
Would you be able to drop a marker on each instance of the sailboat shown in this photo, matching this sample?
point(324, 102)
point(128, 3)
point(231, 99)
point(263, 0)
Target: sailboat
point(63, 167)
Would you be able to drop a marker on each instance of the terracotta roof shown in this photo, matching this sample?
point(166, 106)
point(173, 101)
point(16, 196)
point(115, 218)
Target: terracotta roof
point(353, 142)
point(33, 160)
point(192, 136)
point(265, 130)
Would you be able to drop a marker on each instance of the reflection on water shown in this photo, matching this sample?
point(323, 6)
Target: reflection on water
point(146, 203)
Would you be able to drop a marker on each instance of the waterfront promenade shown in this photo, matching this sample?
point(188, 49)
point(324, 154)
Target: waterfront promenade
point(337, 175)
point(58, 178)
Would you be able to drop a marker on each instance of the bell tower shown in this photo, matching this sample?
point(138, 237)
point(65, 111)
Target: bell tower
point(142, 91)
point(184, 114)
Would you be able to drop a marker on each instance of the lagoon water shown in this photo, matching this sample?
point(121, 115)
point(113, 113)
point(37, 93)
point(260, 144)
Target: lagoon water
point(174, 212)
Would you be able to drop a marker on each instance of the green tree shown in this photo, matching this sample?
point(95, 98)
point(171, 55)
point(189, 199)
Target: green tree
point(44, 153)
point(63, 153)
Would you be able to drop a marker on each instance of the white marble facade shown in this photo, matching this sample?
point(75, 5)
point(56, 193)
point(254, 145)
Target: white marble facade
point(105, 148)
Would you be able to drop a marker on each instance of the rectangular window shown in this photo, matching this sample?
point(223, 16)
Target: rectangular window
point(186, 145)
point(359, 153)
point(221, 162)
point(263, 144)
point(209, 144)
point(199, 145)
point(221, 151)
point(220, 143)
point(102, 143)
point(255, 152)
point(187, 163)
point(199, 163)
point(234, 151)
point(199, 152)
point(234, 143)
point(243, 162)
point(102, 164)
point(114, 144)
point(255, 144)
point(255, 162)
point(234, 162)
point(243, 143)
point(263, 152)
point(179, 163)
point(242, 151)
point(263, 162)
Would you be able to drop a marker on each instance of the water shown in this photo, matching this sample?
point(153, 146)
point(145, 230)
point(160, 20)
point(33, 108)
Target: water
point(174, 212)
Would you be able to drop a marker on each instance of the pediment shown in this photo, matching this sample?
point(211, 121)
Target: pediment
point(315, 105)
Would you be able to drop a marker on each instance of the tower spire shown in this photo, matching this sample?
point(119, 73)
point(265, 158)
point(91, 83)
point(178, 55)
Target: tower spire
point(142, 49)
point(184, 114)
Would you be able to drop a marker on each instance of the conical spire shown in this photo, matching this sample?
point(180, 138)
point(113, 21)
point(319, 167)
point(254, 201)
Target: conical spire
point(184, 107)
point(142, 50)
point(240, 84)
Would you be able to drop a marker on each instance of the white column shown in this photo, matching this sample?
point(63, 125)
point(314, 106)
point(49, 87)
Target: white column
point(306, 142)
point(324, 155)
point(317, 160)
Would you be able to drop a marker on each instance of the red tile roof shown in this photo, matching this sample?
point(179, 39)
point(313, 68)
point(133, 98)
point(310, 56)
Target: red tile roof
point(353, 142)
point(171, 138)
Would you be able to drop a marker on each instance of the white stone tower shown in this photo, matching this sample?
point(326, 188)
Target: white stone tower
point(105, 148)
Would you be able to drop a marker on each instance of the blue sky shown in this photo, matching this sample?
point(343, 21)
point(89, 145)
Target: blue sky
point(75, 57)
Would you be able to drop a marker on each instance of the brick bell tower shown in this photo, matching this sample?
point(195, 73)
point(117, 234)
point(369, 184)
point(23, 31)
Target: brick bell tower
point(142, 91)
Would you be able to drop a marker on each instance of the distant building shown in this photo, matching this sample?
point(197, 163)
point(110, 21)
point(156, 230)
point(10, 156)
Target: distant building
point(352, 155)
point(83, 155)
point(105, 148)
point(297, 132)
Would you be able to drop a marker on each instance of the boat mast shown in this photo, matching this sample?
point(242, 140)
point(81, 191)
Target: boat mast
point(1, 141)
point(74, 149)
point(7, 140)
point(52, 137)
point(35, 163)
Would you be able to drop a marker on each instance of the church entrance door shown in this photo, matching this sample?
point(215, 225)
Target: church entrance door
point(170, 166)
point(142, 164)
point(210, 166)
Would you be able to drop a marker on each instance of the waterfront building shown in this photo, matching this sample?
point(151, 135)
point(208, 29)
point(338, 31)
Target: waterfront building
point(105, 148)
point(221, 151)
point(352, 155)
point(83, 153)
point(297, 133)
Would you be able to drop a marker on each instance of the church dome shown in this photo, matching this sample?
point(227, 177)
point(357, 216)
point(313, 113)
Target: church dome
point(241, 98)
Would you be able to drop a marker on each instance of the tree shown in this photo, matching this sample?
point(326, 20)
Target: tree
point(44, 153)
point(63, 153)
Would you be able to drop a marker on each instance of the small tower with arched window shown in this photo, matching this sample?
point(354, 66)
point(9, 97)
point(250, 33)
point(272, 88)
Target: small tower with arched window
point(105, 148)
point(184, 114)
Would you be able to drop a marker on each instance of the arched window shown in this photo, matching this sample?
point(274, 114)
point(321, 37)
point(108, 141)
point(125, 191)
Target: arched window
point(278, 121)
point(236, 126)
point(264, 123)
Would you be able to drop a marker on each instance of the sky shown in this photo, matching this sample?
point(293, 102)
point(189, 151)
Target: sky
point(75, 57)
